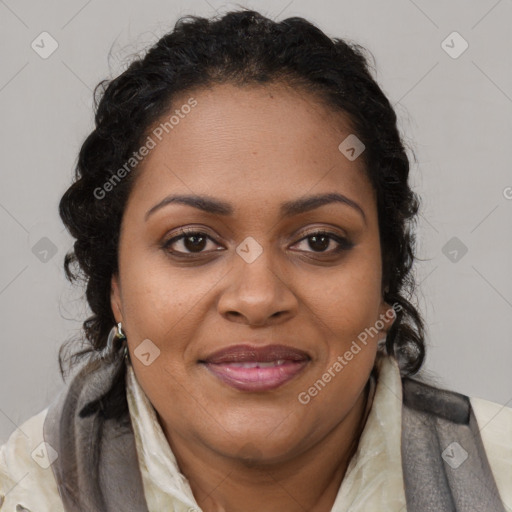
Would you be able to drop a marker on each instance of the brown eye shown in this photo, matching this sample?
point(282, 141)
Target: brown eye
point(195, 243)
point(188, 242)
point(320, 241)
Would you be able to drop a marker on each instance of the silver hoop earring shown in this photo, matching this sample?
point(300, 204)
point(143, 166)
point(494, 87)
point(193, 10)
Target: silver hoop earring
point(116, 339)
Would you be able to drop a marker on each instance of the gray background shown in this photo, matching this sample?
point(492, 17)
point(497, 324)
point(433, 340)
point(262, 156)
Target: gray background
point(455, 114)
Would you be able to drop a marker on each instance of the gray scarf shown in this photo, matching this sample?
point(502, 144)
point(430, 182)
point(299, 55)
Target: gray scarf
point(97, 468)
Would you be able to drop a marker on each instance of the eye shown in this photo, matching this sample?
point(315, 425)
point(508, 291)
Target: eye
point(321, 240)
point(194, 242)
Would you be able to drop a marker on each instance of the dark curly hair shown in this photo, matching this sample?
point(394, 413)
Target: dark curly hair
point(241, 47)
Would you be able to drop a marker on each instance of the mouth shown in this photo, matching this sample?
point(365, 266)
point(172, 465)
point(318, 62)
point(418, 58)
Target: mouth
point(250, 368)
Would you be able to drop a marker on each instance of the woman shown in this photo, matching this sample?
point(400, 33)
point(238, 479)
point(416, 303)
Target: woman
point(241, 214)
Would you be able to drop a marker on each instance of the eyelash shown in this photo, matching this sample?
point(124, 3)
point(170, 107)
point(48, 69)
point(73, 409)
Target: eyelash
point(344, 243)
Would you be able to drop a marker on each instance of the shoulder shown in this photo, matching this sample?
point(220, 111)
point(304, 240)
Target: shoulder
point(494, 420)
point(26, 476)
point(495, 426)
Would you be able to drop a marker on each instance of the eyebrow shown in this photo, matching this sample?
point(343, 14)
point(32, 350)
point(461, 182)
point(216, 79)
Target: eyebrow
point(287, 209)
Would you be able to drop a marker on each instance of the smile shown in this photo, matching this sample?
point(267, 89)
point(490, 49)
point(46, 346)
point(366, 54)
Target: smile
point(257, 375)
point(249, 367)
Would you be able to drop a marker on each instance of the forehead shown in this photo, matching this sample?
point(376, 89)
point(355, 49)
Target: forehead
point(254, 143)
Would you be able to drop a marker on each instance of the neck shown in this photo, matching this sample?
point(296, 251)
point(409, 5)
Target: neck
point(307, 481)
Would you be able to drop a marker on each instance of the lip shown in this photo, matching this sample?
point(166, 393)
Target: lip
point(238, 366)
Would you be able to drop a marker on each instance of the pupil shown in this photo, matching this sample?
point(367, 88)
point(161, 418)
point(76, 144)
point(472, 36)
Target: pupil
point(321, 246)
point(197, 245)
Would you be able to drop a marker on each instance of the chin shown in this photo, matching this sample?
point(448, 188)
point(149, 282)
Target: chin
point(259, 447)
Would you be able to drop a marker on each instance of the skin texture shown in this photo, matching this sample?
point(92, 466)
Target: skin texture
point(254, 147)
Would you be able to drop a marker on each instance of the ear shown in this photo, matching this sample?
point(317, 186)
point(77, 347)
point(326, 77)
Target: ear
point(115, 298)
point(387, 314)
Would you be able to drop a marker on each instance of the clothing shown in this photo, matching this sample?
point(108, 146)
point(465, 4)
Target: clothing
point(374, 480)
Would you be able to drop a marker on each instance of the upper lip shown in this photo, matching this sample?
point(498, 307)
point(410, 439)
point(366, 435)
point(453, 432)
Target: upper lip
point(251, 353)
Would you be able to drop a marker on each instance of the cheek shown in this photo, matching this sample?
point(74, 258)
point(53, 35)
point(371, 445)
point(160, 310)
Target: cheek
point(346, 300)
point(162, 302)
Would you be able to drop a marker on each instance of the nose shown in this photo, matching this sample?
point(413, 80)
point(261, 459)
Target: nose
point(258, 294)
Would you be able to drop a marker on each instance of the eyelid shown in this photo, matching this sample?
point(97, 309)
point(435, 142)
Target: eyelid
point(183, 232)
point(344, 243)
point(319, 229)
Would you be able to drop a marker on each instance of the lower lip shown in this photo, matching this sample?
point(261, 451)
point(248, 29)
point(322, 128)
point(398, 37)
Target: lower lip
point(256, 379)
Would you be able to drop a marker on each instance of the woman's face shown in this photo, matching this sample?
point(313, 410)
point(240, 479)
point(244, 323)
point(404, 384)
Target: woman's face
point(255, 275)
